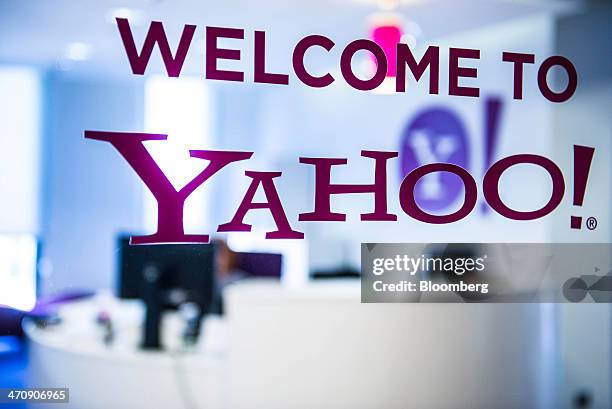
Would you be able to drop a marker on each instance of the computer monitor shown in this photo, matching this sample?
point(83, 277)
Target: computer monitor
point(166, 276)
point(267, 265)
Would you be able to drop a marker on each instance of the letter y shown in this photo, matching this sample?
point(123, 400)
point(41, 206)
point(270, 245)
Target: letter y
point(170, 202)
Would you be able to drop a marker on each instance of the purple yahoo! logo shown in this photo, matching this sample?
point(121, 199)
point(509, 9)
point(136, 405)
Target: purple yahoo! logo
point(436, 135)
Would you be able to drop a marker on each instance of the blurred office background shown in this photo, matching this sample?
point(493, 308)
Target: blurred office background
point(65, 200)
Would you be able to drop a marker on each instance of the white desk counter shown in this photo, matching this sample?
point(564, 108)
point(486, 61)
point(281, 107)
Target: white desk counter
point(72, 354)
point(312, 347)
point(319, 347)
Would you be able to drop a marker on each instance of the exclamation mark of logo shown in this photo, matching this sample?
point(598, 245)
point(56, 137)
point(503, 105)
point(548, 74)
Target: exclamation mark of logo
point(492, 118)
point(583, 155)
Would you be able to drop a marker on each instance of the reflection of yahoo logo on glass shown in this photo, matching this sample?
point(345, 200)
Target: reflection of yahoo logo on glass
point(438, 135)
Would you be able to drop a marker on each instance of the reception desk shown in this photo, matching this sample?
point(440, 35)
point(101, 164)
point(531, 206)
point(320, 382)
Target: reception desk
point(311, 347)
point(121, 375)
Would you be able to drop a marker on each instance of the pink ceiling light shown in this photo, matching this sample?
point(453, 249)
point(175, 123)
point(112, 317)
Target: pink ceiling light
point(386, 31)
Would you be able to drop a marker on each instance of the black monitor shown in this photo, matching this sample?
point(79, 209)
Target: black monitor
point(166, 276)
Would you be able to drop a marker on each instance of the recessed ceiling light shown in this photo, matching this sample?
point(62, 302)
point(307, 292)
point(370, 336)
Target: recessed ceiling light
point(78, 51)
point(134, 16)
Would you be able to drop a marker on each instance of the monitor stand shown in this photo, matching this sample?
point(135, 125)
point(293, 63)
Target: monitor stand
point(153, 309)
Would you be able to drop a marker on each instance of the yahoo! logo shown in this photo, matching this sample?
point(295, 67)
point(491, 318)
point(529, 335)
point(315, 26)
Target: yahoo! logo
point(171, 202)
point(437, 134)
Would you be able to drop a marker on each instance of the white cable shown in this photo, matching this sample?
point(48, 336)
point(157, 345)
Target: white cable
point(181, 380)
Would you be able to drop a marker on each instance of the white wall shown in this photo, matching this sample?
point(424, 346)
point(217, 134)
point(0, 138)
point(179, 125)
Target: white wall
point(91, 193)
point(586, 332)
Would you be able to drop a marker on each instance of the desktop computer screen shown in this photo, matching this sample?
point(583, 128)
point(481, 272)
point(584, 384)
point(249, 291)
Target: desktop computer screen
point(166, 277)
